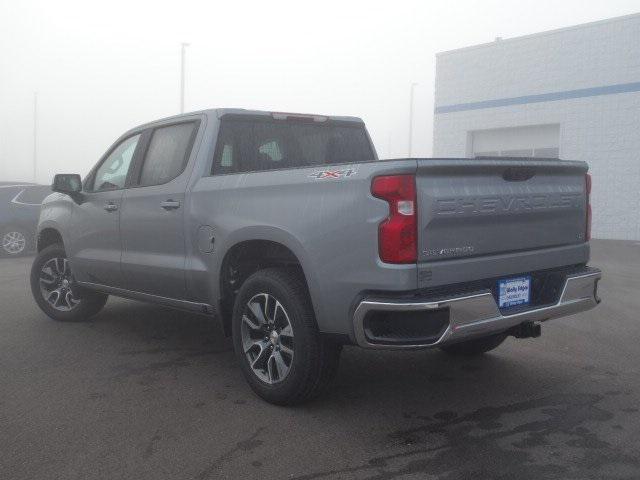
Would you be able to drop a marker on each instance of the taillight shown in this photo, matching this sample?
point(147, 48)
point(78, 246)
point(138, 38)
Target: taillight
point(587, 188)
point(397, 234)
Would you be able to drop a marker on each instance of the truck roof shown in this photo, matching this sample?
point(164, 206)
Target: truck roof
point(221, 112)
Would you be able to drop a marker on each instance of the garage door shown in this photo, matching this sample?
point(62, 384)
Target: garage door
point(540, 141)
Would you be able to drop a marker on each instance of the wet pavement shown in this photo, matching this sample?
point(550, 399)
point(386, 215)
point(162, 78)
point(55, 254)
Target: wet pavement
point(146, 392)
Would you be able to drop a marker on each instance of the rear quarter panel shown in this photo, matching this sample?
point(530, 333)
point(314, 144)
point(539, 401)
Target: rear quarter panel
point(329, 222)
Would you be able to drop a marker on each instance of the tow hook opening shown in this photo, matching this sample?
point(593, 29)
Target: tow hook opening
point(526, 330)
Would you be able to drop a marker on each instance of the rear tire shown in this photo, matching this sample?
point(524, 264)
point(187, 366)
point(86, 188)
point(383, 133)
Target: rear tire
point(477, 346)
point(52, 286)
point(281, 352)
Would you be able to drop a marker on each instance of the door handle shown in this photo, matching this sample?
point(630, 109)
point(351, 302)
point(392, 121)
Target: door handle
point(170, 204)
point(111, 207)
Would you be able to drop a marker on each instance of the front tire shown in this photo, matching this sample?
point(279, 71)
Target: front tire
point(281, 352)
point(476, 346)
point(53, 288)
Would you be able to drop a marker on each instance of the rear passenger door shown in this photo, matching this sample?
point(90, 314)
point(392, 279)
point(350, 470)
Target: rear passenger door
point(152, 214)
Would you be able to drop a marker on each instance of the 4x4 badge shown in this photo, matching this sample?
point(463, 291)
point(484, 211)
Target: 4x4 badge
point(332, 174)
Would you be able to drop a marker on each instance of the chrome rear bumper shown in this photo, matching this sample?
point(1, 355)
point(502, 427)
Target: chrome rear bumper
point(478, 315)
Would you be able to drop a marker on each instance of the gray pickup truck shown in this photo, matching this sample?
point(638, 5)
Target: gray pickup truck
point(288, 229)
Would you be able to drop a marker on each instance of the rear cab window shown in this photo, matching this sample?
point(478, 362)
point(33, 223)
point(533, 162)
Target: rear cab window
point(258, 144)
point(167, 154)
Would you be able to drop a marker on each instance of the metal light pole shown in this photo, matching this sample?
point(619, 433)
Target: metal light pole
point(413, 86)
point(35, 134)
point(183, 47)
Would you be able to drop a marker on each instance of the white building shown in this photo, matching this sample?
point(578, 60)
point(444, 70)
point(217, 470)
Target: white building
point(572, 93)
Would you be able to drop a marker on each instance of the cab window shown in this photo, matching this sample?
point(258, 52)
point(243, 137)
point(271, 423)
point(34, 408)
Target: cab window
point(167, 153)
point(112, 173)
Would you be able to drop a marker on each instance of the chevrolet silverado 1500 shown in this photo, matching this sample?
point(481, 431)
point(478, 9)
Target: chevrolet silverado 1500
point(289, 229)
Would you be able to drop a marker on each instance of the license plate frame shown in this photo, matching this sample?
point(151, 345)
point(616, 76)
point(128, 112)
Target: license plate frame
point(514, 292)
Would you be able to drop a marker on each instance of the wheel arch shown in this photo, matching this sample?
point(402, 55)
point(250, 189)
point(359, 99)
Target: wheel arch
point(48, 236)
point(253, 251)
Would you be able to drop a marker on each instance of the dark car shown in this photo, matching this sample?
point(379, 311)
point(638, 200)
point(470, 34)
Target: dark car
point(19, 212)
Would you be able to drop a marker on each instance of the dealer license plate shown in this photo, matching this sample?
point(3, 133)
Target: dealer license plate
point(513, 292)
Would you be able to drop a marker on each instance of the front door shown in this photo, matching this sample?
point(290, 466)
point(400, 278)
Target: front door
point(95, 223)
point(152, 216)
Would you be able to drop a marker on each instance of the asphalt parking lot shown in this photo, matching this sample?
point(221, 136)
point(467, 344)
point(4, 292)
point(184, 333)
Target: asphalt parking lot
point(145, 392)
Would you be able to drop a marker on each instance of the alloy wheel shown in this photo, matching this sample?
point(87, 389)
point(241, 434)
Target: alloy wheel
point(56, 283)
point(267, 338)
point(14, 243)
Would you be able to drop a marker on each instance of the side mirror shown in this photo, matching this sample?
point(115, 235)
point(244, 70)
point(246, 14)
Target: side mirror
point(68, 183)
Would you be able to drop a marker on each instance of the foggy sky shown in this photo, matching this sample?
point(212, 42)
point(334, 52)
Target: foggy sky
point(101, 68)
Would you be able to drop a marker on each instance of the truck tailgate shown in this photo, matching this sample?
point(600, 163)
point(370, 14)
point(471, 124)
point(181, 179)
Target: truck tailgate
point(473, 208)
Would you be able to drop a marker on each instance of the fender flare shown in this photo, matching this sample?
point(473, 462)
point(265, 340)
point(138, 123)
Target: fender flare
point(288, 240)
